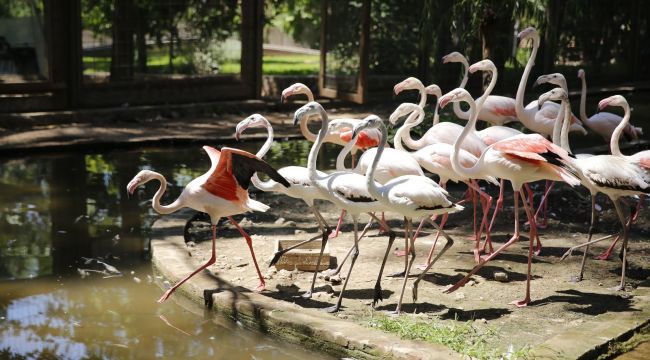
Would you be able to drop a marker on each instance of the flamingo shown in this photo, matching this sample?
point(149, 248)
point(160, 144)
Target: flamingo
point(410, 195)
point(603, 123)
point(220, 192)
point(519, 159)
point(538, 120)
point(301, 187)
point(496, 110)
point(344, 189)
point(435, 158)
point(616, 176)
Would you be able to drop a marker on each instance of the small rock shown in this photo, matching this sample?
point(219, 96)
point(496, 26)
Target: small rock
point(460, 296)
point(290, 223)
point(600, 284)
point(299, 232)
point(482, 321)
point(500, 276)
point(190, 244)
point(137, 280)
point(279, 221)
point(336, 279)
point(167, 284)
point(471, 283)
point(598, 207)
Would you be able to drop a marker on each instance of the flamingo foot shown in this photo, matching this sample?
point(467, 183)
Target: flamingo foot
point(456, 286)
point(538, 250)
point(422, 267)
point(166, 295)
point(377, 296)
point(484, 257)
point(604, 256)
point(575, 278)
point(472, 237)
point(617, 288)
point(521, 303)
point(334, 235)
point(400, 253)
point(330, 272)
point(332, 309)
point(397, 274)
point(260, 287)
point(306, 295)
point(477, 256)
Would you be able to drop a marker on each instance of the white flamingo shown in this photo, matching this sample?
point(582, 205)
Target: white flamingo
point(301, 187)
point(496, 110)
point(519, 159)
point(344, 189)
point(410, 195)
point(616, 176)
point(603, 123)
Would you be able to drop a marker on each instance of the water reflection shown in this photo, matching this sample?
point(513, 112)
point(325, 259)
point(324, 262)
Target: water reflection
point(58, 211)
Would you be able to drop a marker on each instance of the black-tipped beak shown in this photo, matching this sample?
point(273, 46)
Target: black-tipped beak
point(297, 116)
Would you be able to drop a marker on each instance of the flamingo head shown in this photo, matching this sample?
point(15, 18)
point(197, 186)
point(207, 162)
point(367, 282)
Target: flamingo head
point(555, 78)
point(581, 74)
point(455, 57)
point(340, 124)
point(557, 94)
point(255, 120)
point(369, 122)
point(311, 108)
point(529, 33)
point(433, 90)
point(409, 83)
point(483, 65)
point(402, 110)
point(614, 100)
point(295, 89)
point(141, 178)
point(456, 95)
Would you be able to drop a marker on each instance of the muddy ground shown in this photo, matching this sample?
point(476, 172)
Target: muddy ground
point(556, 302)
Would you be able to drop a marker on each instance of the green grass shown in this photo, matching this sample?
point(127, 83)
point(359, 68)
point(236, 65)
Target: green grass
point(158, 62)
point(465, 338)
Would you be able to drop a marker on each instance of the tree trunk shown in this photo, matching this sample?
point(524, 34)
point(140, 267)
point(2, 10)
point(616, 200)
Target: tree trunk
point(122, 49)
point(141, 44)
point(551, 34)
point(495, 34)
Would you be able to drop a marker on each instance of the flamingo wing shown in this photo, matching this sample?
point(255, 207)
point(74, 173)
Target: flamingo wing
point(615, 172)
point(233, 171)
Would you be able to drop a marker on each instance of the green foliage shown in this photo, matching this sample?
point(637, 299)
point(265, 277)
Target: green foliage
point(464, 338)
point(298, 18)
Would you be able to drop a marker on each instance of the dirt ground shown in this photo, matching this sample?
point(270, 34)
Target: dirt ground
point(556, 302)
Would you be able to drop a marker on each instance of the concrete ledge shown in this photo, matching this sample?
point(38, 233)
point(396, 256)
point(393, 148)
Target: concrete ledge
point(307, 327)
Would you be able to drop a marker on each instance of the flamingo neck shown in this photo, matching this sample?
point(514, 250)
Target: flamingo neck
point(403, 134)
point(564, 141)
point(481, 100)
point(616, 135)
point(340, 159)
point(423, 94)
point(456, 106)
point(583, 101)
point(370, 172)
point(155, 204)
point(405, 131)
point(315, 148)
point(474, 171)
point(519, 100)
point(436, 113)
point(267, 185)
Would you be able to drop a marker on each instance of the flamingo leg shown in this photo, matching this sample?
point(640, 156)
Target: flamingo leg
point(409, 263)
point(621, 217)
point(322, 225)
point(347, 255)
point(488, 203)
point(336, 307)
point(249, 242)
point(498, 207)
point(338, 225)
point(607, 253)
point(531, 240)
point(513, 239)
point(325, 236)
point(211, 261)
point(435, 241)
point(408, 251)
point(448, 244)
point(578, 278)
point(391, 238)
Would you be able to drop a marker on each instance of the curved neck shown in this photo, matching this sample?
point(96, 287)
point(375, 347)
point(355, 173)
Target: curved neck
point(583, 101)
point(304, 129)
point(155, 203)
point(456, 106)
point(403, 134)
point(469, 173)
point(370, 172)
point(423, 94)
point(315, 148)
point(269, 141)
point(436, 113)
point(519, 100)
point(564, 141)
point(340, 159)
point(493, 82)
point(616, 135)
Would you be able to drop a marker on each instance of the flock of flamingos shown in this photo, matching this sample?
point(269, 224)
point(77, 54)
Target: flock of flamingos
point(392, 179)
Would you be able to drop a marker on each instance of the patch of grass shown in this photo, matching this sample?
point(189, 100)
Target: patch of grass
point(618, 348)
point(290, 64)
point(466, 338)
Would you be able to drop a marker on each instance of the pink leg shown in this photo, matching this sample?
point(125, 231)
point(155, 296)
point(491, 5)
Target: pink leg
point(531, 240)
point(486, 201)
point(338, 225)
point(605, 255)
point(249, 242)
point(474, 235)
point(212, 260)
point(435, 241)
point(498, 207)
point(512, 240)
point(382, 229)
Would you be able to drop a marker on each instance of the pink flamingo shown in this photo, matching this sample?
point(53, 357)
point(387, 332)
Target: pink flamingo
point(496, 110)
point(519, 159)
point(220, 192)
point(603, 123)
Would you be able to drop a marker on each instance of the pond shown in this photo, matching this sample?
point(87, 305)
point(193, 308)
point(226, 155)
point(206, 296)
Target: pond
point(75, 272)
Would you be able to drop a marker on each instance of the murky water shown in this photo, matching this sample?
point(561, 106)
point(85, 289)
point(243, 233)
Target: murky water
point(75, 275)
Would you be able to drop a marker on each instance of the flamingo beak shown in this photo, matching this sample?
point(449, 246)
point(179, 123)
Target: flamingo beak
point(285, 94)
point(398, 88)
point(603, 104)
point(298, 115)
point(445, 59)
point(472, 69)
point(132, 185)
point(444, 101)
